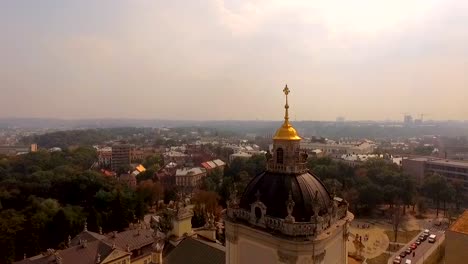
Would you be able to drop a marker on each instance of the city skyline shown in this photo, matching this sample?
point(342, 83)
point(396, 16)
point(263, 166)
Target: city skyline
point(229, 60)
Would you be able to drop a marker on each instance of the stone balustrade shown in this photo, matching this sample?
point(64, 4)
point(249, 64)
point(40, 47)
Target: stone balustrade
point(295, 229)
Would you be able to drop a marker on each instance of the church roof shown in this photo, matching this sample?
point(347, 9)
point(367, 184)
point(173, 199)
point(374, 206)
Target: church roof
point(286, 132)
point(197, 251)
point(273, 190)
point(133, 238)
point(78, 254)
point(86, 235)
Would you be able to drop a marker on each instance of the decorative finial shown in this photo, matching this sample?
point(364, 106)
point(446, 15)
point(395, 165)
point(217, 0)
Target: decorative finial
point(100, 230)
point(286, 91)
point(233, 200)
point(69, 241)
point(85, 226)
point(98, 260)
point(289, 207)
point(258, 195)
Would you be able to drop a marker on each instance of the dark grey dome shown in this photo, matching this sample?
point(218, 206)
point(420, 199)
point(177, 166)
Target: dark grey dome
point(273, 190)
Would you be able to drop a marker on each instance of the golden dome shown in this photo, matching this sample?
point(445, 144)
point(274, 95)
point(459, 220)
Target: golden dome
point(286, 131)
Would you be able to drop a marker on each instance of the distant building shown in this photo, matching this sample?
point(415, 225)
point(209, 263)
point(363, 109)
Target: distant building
point(128, 179)
point(455, 152)
point(336, 149)
point(16, 150)
point(166, 177)
point(213, 165)
point(120, 156)
point(239, 155)
point(175, 156)
point(189, 177)
point(453, 171)
point(104, 156)
point(456, 239)
point(137, 155)
point(408, 120)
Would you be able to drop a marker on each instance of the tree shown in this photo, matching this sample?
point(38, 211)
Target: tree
point(207, 200)
point(120, 217)
point(460, 198)
point(198, 219)
point(11, 224)
point(421, 204)
point(333, 185)
point(397, 218)
point(370, 195)
point(153, 160)
point(166, 223)
point(390, 194)
point(150, 192)
point(434, 186)
point(58, 228)
point(447, 195)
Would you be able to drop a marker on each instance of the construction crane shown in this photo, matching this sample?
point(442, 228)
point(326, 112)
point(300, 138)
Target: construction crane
point(423, 115)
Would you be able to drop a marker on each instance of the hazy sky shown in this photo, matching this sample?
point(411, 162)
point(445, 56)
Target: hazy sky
point(214, 59)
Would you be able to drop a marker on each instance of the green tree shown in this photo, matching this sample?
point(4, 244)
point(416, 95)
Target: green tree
point(434, 186)
point(11, 224)
point(370, 195)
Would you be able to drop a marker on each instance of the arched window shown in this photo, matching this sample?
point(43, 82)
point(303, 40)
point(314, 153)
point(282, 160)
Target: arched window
point(279, 156)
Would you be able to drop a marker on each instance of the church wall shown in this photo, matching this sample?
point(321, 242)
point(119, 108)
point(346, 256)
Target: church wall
point(252, 252)
point(181, 227)
point(125, 260)
point(254, 246)
point(145, 260)
point(336, 252)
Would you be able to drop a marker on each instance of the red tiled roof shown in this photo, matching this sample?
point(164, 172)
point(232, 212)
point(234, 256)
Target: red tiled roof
point(206, 166)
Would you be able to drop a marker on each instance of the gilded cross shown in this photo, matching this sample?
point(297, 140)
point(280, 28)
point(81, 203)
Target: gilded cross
point(286, 90)
point(286, 106)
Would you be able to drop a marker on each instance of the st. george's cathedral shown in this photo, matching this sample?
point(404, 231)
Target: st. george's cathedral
point(285, 214)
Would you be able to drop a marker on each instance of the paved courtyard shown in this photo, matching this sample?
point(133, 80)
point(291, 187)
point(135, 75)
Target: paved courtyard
point(377, 241)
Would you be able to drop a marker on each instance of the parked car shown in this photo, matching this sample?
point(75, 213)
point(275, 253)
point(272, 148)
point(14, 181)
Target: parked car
point(413, 246)
point(422, 238)
point(397, 260)
point(403, 254)
point(408, 250)
point(418, 241)
point(408, 261)
point(426, 232)
point(432, 238)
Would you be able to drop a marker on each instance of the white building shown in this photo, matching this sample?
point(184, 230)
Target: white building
point(336, 149)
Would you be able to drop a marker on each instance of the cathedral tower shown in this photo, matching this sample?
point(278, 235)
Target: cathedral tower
point(286, 215)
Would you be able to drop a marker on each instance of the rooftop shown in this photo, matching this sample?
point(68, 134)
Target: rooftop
point(450, 162)
point(461, 224)
point(192, 171)
point(199, 253)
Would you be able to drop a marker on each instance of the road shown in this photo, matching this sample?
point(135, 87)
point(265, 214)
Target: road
point(424, 250)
